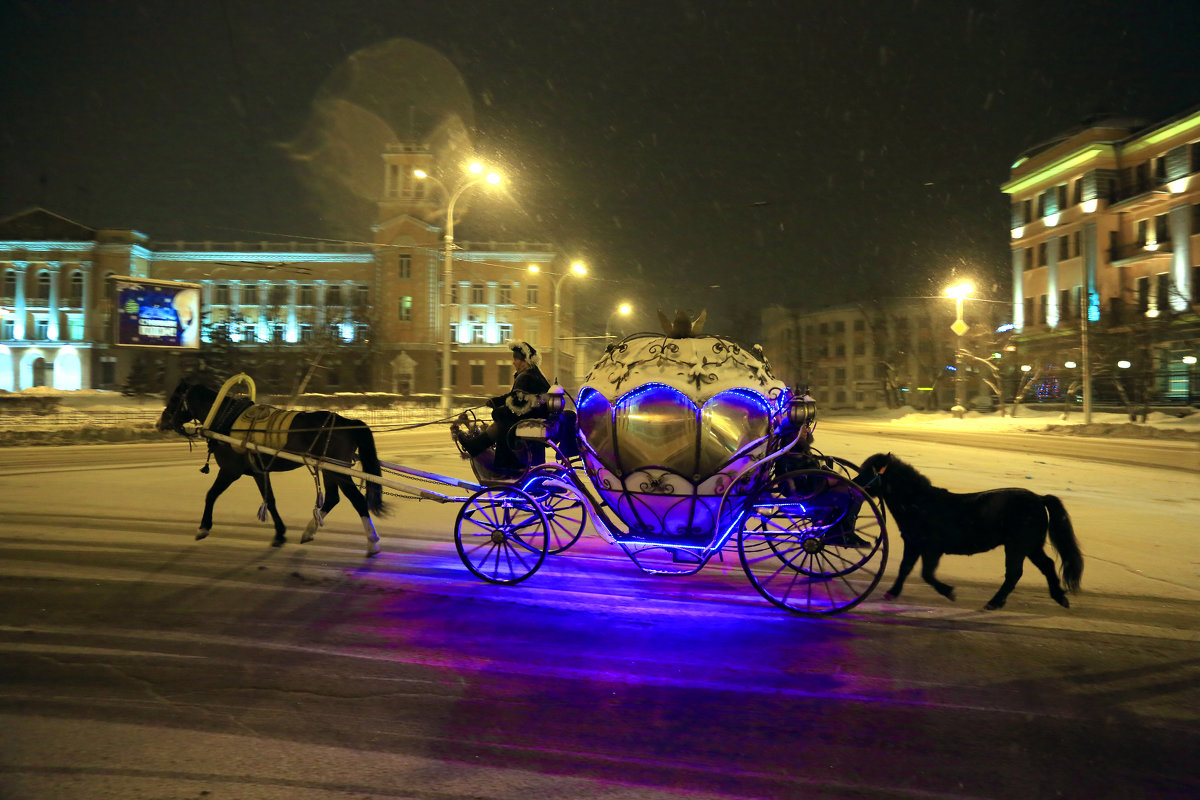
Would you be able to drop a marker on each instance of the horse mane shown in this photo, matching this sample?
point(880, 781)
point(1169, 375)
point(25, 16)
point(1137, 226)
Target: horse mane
point(902, 476)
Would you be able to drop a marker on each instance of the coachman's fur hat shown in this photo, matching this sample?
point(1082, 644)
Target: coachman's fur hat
point(526, 352)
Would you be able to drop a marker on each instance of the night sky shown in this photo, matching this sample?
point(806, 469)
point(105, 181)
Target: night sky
point(696, 154)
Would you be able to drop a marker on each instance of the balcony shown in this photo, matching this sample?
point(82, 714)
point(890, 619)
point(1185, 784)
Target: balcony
point(1125, 254)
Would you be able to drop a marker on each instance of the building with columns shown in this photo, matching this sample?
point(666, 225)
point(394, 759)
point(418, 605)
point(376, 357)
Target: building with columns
point(1106, 236)
point(339, 316)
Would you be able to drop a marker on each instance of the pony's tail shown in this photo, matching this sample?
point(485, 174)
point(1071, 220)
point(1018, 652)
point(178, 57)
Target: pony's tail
point(1062, 536)
point(370, 464)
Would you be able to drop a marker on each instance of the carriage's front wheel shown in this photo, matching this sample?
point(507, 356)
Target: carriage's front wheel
point(813, 542)
point(502, 534)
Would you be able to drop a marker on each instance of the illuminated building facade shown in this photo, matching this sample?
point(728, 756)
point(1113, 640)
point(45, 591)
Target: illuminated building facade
point(1106, 222)
point(337, 316)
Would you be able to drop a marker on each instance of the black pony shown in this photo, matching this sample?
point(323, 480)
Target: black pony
point(322, 434)
point(934, 521)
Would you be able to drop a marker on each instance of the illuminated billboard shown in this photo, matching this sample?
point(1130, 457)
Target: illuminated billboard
point(150, 313)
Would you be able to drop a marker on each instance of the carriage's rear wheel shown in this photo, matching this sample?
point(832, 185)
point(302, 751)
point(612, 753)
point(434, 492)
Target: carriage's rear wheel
point(813, 542)
point(564, 509)
point(502, 534)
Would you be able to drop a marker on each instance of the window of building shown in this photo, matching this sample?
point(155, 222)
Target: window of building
point(1161, 232)
point(404, 266)
point(859, 348)
point(1078, 194)
point(277, 295)
point(859, 372)
point(1064, 247)
point(1143, 231)
point(531, 294)
point(304, 295)
point(477, 373)
point(504, 373)
point(860, 324)
point(1060, 197)
point(75, 327)
point(533, 333)
point(1162, 291)
point(362, 296)
point(1043, 307)
point(1078, 243)
point(1064, 304)
point(477, 333)
point(477, 294)
point(454, 331)
point(8, 329)
point(1027, 211)
point(1041, 205)
point(839, 375)
point(43, 287)
point(75, 290)
point(839, 326)
point(506, 332)
point(505, 296)
point(405, 309)
point(221, 294)
point(1028, 258)
point(333, 294)
point(1029, 320)
point(10, 283)
point(1143, 294)
point(41, 329)
point(823, 328)
point(1042, 254)
point(839, 350)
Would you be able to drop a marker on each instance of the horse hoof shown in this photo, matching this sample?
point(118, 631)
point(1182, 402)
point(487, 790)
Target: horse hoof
point(889, 596)
point(306, 538)
point(279, 541)
point(373, 550)
point(200, 534)
point(1062, 601)
point(993, 606)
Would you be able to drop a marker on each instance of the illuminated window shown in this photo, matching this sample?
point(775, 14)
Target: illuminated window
point(506, 332)
point(406, 309)
point(477, 333)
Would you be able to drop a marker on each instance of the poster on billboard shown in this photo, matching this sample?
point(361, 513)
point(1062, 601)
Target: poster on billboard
point(153, 313)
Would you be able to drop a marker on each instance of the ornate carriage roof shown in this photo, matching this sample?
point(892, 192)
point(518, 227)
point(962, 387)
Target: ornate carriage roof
point(700, 367)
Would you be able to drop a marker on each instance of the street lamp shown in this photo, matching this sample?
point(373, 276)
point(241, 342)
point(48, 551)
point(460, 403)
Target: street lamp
point(476, 174)
point(960, 292)
point(579, 270)
point(624, 309)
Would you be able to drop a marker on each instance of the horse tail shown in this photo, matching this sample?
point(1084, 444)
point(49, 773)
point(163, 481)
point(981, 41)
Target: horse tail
point(1062, 536)
point(370, 464)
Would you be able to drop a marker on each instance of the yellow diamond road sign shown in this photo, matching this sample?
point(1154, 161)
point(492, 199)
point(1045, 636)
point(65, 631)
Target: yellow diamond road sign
point(960, 327)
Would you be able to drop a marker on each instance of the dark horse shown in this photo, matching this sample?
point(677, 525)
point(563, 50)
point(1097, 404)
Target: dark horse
point(321, 434)
point(934, 521)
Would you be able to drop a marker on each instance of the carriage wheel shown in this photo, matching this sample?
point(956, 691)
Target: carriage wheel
point(564, 509)
point(813, 542)
point(501, 534)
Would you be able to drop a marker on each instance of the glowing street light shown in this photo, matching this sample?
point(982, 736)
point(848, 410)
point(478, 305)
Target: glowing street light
point(476, 174)
point(578, 269)
point(959, 291)
point(624, 310)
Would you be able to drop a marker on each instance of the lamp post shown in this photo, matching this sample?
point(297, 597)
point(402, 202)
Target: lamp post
point(624, 309)
point(578, 269)
point(960, 292)
point(476, 174)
